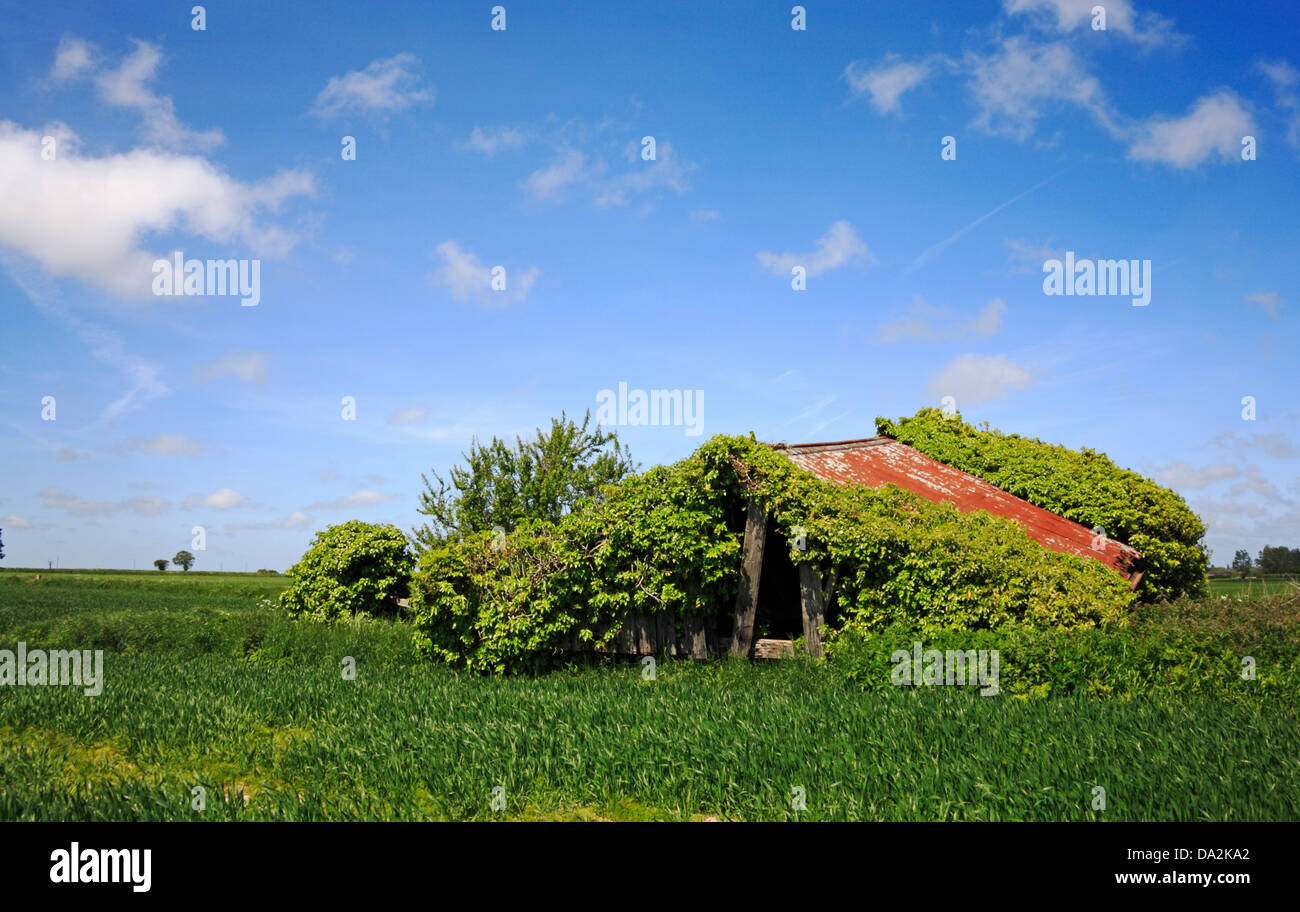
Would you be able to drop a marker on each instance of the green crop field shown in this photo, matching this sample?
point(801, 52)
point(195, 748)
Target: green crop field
point(208, 686)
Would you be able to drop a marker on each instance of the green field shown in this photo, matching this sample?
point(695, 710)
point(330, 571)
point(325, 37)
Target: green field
point(1255, 586)
point(207, 685)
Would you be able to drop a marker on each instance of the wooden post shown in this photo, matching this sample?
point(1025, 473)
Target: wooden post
point(747, 597)
point(814, 610)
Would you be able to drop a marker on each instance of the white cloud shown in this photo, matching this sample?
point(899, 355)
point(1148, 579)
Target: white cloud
point(14, 522)
point(416, 415)
point(705, 215)
point(72, 59)
point(926, 323)
point(667, 170)
point(1185, 477)
point(1015, 84)
point(840, 246)
point(384, 86)
point(220, 499)
point(887, 82)
point(469, 281)
point(85, 217)
point(56, 498)
point(147, 506)
point(1031, 256)
point(127, 87)
point(1214, 126)
point(1067, 15)
point(1285, 79)
point(166, 445)
point(491, 140)
point(973, 379)
point(546, 183)
point(295, 520)
point(247, 366)
point(359, 498)
point(1272, 444)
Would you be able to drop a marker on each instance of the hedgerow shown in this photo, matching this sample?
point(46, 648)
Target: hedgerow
point(1082, 485)
point(670, 540)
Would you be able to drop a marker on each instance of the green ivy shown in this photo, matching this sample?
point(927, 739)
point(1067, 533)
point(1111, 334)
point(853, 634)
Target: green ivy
point(670, 540)
point(1081, 485)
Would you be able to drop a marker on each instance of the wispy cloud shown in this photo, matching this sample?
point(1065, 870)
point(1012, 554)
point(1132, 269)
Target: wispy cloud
point(974, 379)
point(884, 84)
point(471, 282)
point(385, 86)
point(839, 246)
point(247, 366)
point(924, 322)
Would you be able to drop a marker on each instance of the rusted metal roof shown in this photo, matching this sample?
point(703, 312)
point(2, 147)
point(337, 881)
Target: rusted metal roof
point(875, 461)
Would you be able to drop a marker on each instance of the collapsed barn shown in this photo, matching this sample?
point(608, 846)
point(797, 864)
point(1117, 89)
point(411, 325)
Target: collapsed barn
point(747, 548)
point(783, 599)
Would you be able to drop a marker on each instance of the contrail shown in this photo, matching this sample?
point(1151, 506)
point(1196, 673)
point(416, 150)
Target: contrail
point(931, 252)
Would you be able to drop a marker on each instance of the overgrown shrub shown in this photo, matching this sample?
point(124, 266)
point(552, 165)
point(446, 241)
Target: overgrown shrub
point(1081, 485)
point(670, 539)
point(355, 569)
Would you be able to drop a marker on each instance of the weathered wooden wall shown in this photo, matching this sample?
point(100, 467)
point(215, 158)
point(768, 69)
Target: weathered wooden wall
point(671, 634)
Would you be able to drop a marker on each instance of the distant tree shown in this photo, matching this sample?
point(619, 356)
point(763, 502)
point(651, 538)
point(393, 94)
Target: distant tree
point(503, 484)
point(183, 559)
point(160, 564)
point(1241, 562)
point(2, 545)
point(1279, 559)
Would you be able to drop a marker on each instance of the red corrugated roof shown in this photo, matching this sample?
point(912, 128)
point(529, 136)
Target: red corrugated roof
point(874, 461)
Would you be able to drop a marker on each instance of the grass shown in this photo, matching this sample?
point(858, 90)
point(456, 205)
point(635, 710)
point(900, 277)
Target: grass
point(205, 687)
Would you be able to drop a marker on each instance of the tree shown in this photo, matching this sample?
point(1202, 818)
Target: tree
point(183, 559)
point(160, 564)
point(1241, 562)
point(503, 485)
point(2, 545)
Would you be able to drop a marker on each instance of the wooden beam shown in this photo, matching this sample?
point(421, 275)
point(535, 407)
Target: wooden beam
point(742, 637)
point(814, 608)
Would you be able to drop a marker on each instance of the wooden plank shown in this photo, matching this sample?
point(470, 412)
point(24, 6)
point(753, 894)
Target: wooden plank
point(750, 571)
point(667, 632)
point(645, 631)
point(814, 608)
point(773, 649)
point(698, 647)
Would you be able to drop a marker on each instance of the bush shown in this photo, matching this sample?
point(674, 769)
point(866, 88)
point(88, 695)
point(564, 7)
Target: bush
point(670, 540)
point(1081, 485)
point(351, 570)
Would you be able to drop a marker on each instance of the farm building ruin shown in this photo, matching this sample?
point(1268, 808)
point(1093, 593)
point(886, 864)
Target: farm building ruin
point(778, 600)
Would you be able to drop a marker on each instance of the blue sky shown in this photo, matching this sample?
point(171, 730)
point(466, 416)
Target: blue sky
point(522, 148)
